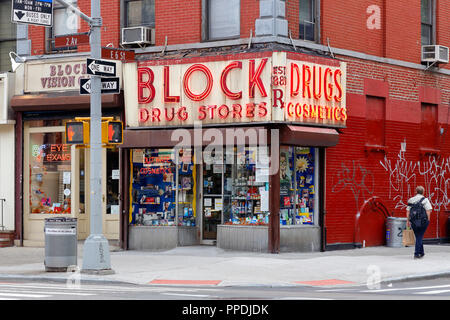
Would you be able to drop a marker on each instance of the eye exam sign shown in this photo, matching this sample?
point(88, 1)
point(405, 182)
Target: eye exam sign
point(243, 88)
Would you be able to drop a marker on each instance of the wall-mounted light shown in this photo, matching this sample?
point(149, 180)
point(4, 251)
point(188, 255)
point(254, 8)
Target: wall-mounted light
point(14, 63)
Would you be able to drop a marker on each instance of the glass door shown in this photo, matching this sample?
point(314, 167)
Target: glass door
point(111, 176)
point(212, 201)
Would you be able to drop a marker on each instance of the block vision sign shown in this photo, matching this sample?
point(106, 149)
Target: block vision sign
point(265, 87)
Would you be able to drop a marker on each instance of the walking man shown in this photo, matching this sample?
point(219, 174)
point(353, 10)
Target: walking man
point(418, 213)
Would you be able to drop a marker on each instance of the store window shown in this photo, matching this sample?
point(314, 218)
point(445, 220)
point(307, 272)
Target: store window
point(50, 173)
point(298, 185)
point(223, 19)
point(160, 176)
point(246, 187)
point(187, 187)
point(307, 20)
point(139, 13)
point(426, 13)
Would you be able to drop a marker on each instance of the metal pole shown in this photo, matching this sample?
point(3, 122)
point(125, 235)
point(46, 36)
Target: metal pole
point(96, 249)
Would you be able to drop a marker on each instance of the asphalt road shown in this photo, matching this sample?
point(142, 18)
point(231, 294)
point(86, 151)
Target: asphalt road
point(435, 289)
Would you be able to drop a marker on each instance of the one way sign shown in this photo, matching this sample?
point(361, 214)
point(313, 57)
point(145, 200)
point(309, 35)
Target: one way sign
point(109, 85)
point(101, 68)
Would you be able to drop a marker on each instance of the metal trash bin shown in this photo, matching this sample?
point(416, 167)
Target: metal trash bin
point(394, 231)
point(60, 243)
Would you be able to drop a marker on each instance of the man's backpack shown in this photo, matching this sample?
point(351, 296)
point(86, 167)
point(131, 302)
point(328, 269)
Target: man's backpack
point(418, 215)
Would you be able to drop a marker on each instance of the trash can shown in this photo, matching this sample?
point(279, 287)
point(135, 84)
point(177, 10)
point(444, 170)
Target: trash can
point(394, 231)
point(60, 243)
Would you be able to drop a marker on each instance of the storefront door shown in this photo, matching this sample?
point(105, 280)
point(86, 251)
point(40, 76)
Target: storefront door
point(110, 185)
point(212, 201)
point(110, 192)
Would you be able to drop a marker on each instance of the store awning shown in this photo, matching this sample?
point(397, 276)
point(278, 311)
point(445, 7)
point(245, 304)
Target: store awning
point(170, 137)
point(289, 135)
point(61, 101)
point(308, 136)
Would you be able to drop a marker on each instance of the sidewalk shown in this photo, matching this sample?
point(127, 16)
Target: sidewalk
point(207, 265)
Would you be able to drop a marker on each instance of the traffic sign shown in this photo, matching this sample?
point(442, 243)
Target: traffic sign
point(101, 68)
point(109, 85)
point(117, 54)
point(71, 40)
point(39, 12)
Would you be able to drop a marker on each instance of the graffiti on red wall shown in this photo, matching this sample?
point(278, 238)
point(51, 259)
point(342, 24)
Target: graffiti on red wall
point(403, 179)
point(357, 179)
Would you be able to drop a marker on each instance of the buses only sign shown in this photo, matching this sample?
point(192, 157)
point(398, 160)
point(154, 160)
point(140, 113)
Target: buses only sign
point(39, 12)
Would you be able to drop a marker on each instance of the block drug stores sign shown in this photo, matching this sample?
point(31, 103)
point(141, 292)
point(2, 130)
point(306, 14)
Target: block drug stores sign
point(243, 88)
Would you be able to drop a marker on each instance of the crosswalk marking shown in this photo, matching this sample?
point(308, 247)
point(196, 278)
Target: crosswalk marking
point(50, 292)
point(186, 295)
point(432, 292)
point(400, 289)
point(20, 295)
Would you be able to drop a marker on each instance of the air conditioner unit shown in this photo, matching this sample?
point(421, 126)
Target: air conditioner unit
point(138, 35)
point(435, 53)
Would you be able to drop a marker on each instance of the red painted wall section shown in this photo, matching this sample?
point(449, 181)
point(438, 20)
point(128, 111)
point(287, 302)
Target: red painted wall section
point(356, 173)
point(179, 20)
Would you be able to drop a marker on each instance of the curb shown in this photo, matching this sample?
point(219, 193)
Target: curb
point(424, 276)
point(61, 279)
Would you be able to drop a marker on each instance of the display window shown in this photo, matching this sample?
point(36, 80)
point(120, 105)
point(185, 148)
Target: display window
point(163, 187)
point(187, 187)
point(298, 185)
point(50, 173)
point(246, 187)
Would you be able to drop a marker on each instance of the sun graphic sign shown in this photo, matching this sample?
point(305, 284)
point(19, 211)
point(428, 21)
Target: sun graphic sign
point(302, 164)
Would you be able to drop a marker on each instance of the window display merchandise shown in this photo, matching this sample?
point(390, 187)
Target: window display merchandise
point(160, 176)
point(50, 173)
point(297, 185)
point(246, 189)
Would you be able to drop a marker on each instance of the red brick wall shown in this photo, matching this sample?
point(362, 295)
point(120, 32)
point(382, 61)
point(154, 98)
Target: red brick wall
point(345, 24)
point(110, 13)
point(179, 20)
point(249, 13)
point(355, 174)
point(292, 15)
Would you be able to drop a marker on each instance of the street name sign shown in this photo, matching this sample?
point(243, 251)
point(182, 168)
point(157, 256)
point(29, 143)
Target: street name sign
point(101, 68)
point(109, 85)
point(38, 12)
point(117, 54)
point(71, 40)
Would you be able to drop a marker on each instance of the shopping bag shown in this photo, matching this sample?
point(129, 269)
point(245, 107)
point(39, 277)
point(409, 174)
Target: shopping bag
point(408, 237)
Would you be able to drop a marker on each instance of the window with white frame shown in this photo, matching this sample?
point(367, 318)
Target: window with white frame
point(139, 13)
point(426, 17)
point(307, 20)
point(223, 19)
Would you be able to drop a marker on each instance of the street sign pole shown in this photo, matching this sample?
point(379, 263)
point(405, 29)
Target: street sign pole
point(96, 258)
point(96, 248)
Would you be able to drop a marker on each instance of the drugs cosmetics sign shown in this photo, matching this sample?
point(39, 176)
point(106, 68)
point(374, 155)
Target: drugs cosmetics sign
point(38, 12)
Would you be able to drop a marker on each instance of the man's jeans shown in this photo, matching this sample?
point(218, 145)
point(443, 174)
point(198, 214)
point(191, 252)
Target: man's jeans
point(419, 232)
